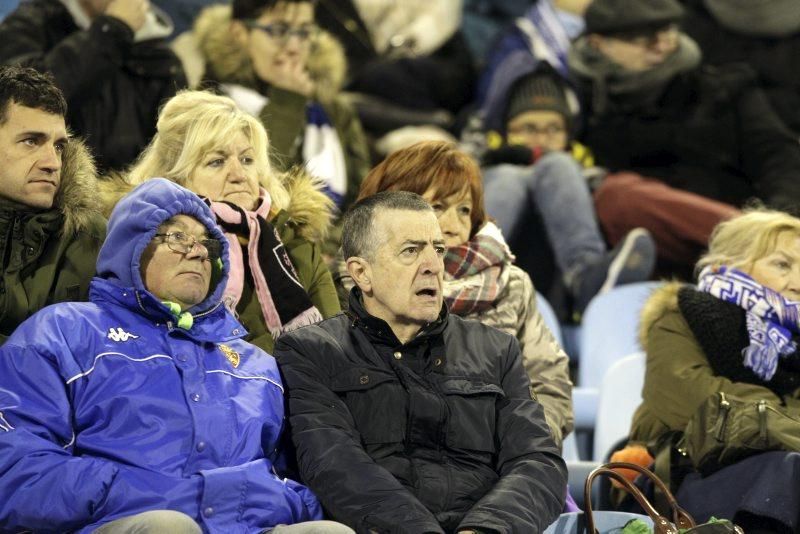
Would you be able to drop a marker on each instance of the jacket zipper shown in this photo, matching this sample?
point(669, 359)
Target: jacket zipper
point(725, 408)
point(762, 421)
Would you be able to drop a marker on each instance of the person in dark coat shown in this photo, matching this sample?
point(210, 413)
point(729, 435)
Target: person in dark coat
point(111, 60)
point(686, 143)
point(409, 62)
point(407, 419)
point(765, 35)
point(51, 227)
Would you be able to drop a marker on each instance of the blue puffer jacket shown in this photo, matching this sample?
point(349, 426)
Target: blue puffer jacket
point(109, 409)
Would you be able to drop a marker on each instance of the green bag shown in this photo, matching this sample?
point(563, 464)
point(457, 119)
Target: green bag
point(726, 429)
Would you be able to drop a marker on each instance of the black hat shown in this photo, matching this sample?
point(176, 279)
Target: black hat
point(537, 92)
point(614, 16)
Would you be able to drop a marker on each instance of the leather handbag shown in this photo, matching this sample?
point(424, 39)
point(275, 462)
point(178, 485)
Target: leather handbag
point(680, 521)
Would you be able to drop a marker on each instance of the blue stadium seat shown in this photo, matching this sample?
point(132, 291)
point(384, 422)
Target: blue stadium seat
point(620, 395)
point(609, 331)
point(6, 7)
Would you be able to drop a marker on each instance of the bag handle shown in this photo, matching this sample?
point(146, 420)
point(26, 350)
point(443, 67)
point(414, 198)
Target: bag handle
point(681, 518)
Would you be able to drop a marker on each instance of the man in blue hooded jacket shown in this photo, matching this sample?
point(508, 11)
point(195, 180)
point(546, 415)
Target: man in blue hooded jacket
point(144, 408)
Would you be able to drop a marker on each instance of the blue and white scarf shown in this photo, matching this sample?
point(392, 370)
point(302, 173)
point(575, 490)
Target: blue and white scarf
point(323, 153)
point(770, 318)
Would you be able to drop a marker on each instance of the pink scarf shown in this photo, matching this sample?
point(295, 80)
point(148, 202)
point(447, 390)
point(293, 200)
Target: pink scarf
point(287, 306)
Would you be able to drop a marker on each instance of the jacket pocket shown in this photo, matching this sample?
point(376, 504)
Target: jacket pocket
point(472, 418)
point(726, 429)
point(377, 403)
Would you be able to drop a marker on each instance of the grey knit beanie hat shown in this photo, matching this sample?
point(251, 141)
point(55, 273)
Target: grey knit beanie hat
point(537, 92)
point(759, 18)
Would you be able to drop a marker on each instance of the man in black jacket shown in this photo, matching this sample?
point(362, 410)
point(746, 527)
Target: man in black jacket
point(687, 144)
point(110, 59)
point(407, 419)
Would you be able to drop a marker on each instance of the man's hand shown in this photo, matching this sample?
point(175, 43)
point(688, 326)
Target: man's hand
point(286, 73)
point(131, 12)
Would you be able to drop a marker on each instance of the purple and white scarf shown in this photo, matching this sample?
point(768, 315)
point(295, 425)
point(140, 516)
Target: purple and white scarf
point(771, 319)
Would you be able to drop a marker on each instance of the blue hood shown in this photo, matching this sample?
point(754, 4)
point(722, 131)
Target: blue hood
point(134, 222)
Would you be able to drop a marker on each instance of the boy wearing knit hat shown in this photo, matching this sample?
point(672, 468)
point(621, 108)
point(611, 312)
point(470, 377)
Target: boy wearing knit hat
point(686, 144)
point(534, 170)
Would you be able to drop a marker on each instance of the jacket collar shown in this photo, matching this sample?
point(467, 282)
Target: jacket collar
point(214, 325)
point(379, 331)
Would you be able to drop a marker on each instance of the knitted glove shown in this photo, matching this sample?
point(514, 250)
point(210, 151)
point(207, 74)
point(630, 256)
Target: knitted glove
point(632, 454)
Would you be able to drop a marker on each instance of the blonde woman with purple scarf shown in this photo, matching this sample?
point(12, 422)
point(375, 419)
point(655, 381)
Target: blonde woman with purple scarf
point(278, 280)
point(732, 338)
point(481, 281)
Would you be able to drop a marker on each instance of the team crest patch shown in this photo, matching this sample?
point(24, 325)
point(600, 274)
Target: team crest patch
point(231, 354)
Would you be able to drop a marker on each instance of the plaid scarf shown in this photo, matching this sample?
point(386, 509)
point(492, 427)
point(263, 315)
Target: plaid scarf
point(284, 302)
point(475, 272)
point(770, 318)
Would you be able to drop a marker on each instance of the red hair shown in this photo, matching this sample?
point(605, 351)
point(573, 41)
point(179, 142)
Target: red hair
point(436, 165)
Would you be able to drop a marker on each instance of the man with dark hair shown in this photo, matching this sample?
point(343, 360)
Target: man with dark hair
point(687, 144)
point(50, 223)
point(408, 419)
point(111, 60)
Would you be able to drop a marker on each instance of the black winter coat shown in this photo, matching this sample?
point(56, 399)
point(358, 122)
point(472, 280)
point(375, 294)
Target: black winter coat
point(712, 132)
point(436, 435)
point(113, 86)
point(776, 60)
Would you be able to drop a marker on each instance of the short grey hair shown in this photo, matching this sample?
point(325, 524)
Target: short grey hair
point(358, 232)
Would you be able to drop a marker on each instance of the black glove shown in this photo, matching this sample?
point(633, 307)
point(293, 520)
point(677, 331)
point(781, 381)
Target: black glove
point(514, 154)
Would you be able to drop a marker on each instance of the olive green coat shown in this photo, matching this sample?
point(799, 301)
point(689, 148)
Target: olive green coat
point(678, 377)
point(49, 255)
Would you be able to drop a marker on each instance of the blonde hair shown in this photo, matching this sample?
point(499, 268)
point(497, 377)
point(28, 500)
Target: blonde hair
point(193, 123)
point(741, 241)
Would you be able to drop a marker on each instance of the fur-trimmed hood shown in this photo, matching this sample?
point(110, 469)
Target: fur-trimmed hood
point(227, 62)
point(663, 300)
point(78, 197)
point(309, 210)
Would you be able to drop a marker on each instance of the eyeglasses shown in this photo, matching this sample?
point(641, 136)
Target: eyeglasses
point(550, 130)
point(282, 32)
point(185, 243)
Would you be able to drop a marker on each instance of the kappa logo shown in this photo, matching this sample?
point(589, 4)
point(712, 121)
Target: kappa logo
point(120, 335)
